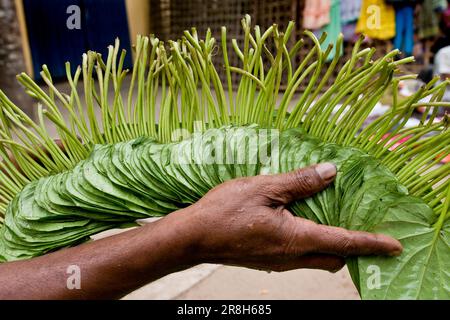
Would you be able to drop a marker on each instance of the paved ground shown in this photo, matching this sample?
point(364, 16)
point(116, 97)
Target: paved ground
point(223, 282)
point(240, 283)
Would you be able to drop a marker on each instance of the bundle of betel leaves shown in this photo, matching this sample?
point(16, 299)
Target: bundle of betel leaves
point(178, 131)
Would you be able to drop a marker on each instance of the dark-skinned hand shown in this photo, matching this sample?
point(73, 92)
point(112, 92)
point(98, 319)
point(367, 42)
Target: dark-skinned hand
point(246, 222)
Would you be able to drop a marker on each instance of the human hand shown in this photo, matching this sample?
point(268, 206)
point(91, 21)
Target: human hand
point(245, 222)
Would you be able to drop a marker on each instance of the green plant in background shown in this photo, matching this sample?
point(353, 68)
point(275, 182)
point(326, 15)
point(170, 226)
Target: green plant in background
point(127, 164)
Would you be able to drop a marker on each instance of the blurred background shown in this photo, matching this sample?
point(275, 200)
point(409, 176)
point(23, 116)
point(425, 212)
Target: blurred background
point(37, 32)
point(51, 32)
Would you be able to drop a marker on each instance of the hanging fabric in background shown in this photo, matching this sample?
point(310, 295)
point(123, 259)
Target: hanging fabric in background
point(316, 14)
point(377, 20)
point(404, 25)
point(333, 29)
point(350, 10)
point(349, 32)
point(446, 18)
point(428, 25)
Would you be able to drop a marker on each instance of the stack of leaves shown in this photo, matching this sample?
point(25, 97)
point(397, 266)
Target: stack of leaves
point(136, 160)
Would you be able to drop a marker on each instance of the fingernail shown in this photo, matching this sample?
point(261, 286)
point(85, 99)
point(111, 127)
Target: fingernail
point(396, 246)
point(326, 170)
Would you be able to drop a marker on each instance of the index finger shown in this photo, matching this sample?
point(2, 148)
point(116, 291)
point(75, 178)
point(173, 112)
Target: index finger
point(343, 242)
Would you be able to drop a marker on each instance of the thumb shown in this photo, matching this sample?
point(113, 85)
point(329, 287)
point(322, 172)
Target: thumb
point(301, 183)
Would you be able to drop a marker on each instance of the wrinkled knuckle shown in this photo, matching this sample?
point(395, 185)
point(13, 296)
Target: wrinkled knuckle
point(291, 242)
point(275, 193)
point(348, 244)
point(303, 181)
point(266, 188)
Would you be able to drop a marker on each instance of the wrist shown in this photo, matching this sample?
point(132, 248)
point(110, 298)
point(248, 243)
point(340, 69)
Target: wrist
point(204, 242)
point(184, 234)
point(159, 248)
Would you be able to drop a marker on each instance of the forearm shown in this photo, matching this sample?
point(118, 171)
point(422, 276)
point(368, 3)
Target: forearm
point(110, 267)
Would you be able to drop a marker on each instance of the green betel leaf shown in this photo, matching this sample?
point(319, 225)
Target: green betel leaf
point(365, 196)
point(422, 271)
